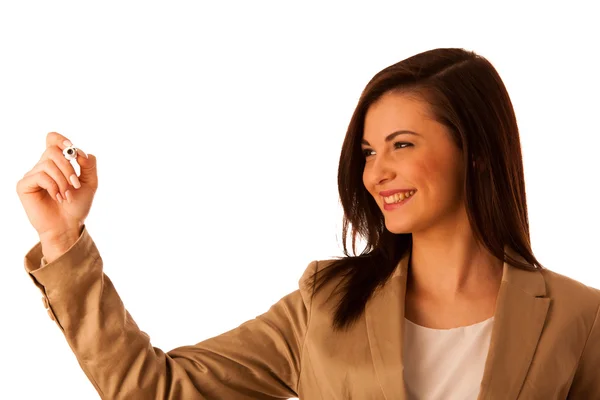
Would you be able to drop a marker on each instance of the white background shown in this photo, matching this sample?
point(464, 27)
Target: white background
point(218, 128)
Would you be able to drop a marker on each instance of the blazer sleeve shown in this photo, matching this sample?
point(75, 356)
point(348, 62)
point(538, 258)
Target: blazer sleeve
point(260, 359)
point(586, 382)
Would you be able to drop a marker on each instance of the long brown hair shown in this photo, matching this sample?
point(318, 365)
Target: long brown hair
point(466, 95)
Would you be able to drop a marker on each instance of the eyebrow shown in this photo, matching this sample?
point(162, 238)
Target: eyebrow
point(391, 136)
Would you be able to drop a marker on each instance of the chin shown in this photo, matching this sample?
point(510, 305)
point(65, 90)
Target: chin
point(398, 228)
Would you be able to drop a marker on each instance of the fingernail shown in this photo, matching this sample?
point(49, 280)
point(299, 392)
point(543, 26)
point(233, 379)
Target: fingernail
point(75, 181)
point(59, 198)
point(82, 153)
point(68, 143)
point(68, 194)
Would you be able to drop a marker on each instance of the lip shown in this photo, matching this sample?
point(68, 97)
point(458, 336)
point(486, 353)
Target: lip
point(393, 206)
point(387, 193)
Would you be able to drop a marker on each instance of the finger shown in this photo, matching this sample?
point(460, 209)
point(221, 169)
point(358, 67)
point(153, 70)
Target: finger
point(56, 139)
point(88, 171)
point(56, 156)
point(50, 168)
point(37, 182)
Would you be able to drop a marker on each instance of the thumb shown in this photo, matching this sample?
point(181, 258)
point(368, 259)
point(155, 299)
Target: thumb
point(87, 164)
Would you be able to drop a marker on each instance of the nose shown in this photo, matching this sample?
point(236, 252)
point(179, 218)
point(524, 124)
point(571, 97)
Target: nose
point(380, 171)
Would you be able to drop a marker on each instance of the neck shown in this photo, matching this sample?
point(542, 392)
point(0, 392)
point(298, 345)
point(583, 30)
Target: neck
point(452, 266)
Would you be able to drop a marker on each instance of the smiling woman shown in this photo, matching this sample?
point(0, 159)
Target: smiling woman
point(446, 300)
point(431, 177)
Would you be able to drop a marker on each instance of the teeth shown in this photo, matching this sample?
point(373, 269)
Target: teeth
point(398, 197)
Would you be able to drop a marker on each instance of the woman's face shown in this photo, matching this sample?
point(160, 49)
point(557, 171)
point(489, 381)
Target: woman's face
point(426, 162)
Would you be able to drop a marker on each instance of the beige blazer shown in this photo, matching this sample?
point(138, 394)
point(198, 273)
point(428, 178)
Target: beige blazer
point(545, 342)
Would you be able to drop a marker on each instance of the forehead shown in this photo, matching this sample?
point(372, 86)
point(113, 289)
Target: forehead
point(396, 111)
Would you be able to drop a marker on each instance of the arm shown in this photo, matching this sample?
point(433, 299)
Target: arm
point(260, 359)
point(586, 383)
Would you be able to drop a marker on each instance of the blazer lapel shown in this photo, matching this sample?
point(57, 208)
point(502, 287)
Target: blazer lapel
point(384, 314)
point(521, 309)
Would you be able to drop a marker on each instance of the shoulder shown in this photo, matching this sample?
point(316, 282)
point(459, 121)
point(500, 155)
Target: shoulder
point(576, 307)
point(305, 283)
point(571, 297)
point(299, 302)
point(564, 286)
point(323, 292)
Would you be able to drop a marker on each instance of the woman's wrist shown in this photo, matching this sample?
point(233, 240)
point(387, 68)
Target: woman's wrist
point(55, 245)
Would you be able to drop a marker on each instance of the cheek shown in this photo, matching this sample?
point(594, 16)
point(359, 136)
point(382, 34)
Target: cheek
point(418, 173)
point(440, 178)
point(429, 179)
point(368, 180)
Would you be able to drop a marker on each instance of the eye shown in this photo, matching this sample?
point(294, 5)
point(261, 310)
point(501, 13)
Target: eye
point(397, 145)
point(366, 152)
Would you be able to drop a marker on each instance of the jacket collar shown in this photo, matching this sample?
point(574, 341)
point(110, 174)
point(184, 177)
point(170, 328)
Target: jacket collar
point(521, 309)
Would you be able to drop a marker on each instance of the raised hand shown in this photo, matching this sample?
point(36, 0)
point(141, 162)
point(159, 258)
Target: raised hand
point(55, 200)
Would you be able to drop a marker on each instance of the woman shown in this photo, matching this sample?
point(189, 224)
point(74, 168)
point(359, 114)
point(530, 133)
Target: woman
point(446, 300)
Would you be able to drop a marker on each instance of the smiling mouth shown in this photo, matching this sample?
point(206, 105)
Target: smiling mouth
point(398, 197)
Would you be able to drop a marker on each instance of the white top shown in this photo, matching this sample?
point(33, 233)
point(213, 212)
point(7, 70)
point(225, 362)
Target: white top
point(445, 363)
